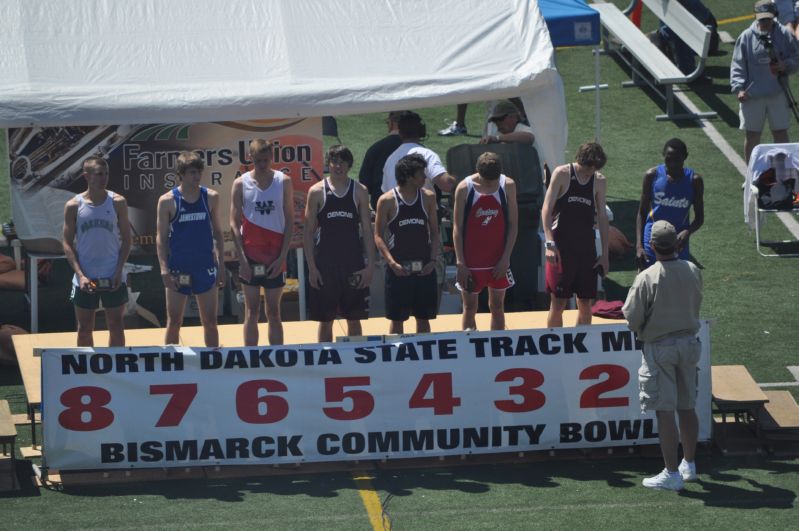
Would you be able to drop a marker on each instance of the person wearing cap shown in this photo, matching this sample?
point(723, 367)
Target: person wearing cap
point(509, 127)
point(670, 191)
point(764, 55)
point(662, 308)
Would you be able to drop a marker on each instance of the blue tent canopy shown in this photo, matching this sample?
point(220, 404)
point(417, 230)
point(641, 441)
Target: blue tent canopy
point(570, 22)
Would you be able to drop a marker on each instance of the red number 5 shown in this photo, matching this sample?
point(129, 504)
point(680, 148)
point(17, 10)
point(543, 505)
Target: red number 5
point(362, 402)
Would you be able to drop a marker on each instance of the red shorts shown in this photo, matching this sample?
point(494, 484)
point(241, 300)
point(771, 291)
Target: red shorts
point(572, 277)
point(481, 278)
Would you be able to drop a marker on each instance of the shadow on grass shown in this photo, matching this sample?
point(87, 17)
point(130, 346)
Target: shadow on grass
point(736, 483)
point(717, 83)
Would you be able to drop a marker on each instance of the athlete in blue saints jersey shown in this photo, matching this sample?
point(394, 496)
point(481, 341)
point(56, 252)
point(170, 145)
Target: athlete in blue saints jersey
point(669, 192)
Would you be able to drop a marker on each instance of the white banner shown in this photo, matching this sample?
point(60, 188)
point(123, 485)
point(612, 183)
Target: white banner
point(418, 396)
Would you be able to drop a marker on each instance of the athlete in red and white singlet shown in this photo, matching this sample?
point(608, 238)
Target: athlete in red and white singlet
point(263, 223)
point(484, 232)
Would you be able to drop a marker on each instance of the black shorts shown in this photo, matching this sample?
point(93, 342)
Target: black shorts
point(415, 295)
point(90, 300)
point(575, 276)
point(337, 297)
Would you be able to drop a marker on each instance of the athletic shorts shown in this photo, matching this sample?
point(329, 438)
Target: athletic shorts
point(264, 281)
point(201, 280)
point(482, 278)
point(415, 295)
point(91, 300)
point(337, 297)
point(753, 113)
point(667, 379)
point(573, 276)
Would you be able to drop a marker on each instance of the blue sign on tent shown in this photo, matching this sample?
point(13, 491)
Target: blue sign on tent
point(570, 22)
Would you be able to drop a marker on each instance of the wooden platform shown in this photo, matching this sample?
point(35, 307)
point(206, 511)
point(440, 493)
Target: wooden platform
point(736, 393)
point(295, 333)
point(8, 438)
point(780, 424)
point(734, 386)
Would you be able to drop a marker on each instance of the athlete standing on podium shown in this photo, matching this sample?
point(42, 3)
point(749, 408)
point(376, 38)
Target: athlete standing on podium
point(261, 221)
point(190, 249)
point(96, 244)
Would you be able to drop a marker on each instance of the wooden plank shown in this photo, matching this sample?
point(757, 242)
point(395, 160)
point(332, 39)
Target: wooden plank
point(22, 418)
point(733, 384)
point(8, 432)
point(29, 451)
point(781, 411)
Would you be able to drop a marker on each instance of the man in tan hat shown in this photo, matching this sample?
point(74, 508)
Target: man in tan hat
point(509, 127)
point(764, 55)
point(662, 308)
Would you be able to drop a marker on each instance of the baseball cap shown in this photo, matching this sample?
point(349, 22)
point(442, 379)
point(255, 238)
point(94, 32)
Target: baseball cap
point(765, 9)
point(664, 236)
point(502, 109)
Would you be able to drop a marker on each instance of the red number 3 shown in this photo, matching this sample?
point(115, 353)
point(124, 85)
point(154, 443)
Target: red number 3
point(99, 417)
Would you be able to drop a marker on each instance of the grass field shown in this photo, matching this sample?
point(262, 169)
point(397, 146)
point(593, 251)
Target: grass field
point(751, 299)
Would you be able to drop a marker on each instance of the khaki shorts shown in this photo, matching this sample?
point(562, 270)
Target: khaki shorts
point(754, 111)
point(667, 379)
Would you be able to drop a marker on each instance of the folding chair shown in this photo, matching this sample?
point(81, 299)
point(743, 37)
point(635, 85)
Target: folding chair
point(784, 158)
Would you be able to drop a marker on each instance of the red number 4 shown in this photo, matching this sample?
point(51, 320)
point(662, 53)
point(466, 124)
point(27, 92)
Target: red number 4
point(441, 400)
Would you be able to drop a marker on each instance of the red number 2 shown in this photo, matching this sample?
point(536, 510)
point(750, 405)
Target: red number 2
point(618, 377)
point(182, 396)
point(99, 417)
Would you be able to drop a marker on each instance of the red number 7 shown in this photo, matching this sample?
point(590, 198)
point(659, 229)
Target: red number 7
point(182, 396)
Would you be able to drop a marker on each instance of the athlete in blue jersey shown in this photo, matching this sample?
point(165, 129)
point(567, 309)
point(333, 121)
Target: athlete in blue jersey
point(96, 244)
point(669, 191)
point(190, 249)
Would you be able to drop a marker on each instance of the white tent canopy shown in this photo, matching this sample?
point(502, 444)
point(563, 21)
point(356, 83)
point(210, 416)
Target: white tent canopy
point(97, 62)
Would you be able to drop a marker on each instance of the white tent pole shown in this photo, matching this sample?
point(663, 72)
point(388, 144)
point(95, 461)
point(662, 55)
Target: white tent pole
point(596, 92)
point(301, 282)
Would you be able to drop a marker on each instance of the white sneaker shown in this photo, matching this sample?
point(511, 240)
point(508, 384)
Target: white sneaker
point(665, 481)
point(453, 130)
point(687, 470)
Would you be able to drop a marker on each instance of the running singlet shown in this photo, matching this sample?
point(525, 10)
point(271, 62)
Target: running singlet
point(409, 232)
point(97, 238)
point(485, 224)
point(672, 202)
point(573, 216)
point(191, 242)
point(338, 241)
point(263, 222)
